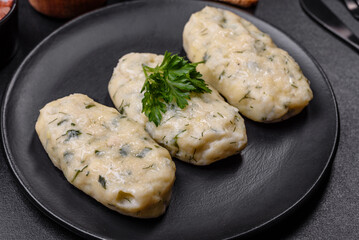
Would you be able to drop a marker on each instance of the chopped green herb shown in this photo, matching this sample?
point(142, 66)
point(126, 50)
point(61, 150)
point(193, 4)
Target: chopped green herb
point(102, 181)
point(222, 22)
point(220, 114)
point(176, 138)
point(99, 153)
point(180, 132)
point(293, 85)
point(89, 106)
point(124, 150)
point(173, 80)
point(53, 121)
point(78, 172)
point(71, 134)
point(121, 108)
point(73, 124)
point(61, 122)
point(192, 157)
point(143, 153)
point(246, 96)
point(221, 75)
point(205, 57)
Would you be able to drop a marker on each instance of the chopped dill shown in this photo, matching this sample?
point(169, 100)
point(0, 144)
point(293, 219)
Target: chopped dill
point(143, 153)
point(102, 181)
point(246, 96)
point(61, 122)
point(89, 106)
point(78, 172)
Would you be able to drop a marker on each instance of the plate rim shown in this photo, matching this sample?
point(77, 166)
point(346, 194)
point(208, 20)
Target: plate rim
point(83, 232)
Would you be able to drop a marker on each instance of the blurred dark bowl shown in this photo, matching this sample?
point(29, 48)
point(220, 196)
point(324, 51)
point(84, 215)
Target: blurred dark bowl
point(8, 35)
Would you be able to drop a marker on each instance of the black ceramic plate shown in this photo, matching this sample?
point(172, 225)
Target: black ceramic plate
point(280, 166)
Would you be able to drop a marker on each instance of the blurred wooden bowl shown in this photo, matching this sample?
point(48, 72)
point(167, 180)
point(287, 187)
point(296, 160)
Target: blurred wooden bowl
point(8, 34)
point(65, 8)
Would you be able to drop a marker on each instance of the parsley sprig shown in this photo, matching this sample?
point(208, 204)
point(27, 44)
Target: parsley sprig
point(173, 80)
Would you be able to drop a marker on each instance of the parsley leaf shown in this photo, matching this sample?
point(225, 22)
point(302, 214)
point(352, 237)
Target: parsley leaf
point(173, 80)
point(102, 181)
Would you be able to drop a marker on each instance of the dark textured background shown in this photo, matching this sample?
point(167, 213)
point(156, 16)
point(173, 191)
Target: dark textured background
point(331, 212)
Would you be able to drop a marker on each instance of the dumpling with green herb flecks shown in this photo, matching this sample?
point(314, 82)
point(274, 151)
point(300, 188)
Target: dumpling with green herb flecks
point(263, 81)
point(107, 155)
point(207, 130)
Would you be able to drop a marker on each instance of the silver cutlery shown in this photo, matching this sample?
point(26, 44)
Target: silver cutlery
point(324, 16)
point(353, 7)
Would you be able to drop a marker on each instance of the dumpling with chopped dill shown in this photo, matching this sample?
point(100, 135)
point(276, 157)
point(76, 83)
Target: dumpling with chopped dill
point(263, 81)
point(107, 155)
point(207, 130)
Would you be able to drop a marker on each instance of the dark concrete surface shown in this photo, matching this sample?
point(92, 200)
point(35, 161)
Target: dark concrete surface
point(331, 212)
